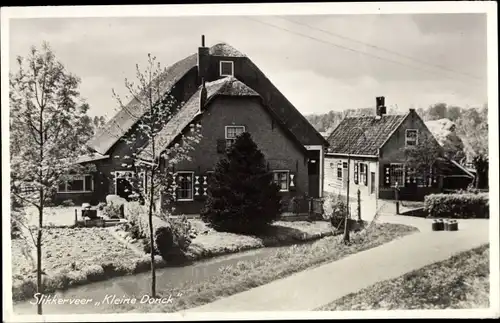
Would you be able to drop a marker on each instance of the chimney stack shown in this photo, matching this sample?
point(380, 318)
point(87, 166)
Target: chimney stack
point(380, 106)
point(203, 60)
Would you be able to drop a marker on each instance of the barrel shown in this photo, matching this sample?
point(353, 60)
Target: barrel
point(453, 225)
point(436, 225)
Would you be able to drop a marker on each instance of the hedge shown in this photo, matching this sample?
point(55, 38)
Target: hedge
point(171, 237)
point(460, 206)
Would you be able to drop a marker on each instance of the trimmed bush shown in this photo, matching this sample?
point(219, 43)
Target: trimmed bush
point(459, 206)
point(172, 236)
point(335, 210)
point(242, 197)
point(67, 203)
point(113, 211)
point(115, 199)
point(115, 206)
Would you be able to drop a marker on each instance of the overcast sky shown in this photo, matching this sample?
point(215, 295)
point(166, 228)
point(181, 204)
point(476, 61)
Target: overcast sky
point(313, 69)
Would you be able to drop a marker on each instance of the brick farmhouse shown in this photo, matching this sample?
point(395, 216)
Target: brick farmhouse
point(221, 89)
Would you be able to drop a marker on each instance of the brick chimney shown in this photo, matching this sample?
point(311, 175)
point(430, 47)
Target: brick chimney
point(203, 60)
point(380, 106)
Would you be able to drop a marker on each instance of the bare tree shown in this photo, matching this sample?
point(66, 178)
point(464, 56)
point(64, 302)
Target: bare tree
point(152, 149)
point(43, 144)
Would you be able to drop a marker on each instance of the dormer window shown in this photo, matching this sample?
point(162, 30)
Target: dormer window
point(411, 137)
point(226, 68)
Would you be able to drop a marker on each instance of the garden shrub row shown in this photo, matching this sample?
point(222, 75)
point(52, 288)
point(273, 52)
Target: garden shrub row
point(460, 206)
point(171, 236)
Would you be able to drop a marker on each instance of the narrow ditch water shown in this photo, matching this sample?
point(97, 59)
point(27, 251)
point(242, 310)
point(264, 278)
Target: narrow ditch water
point(138, 285)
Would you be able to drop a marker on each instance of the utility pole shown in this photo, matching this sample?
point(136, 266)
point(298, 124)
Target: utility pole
point(347, 217)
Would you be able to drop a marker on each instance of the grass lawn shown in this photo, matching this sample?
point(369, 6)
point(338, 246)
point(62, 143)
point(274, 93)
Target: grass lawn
point(53, 215)
point(245, 275)
point(209, 243)
point(460, 282)
point(76, 256)
point(71, 256)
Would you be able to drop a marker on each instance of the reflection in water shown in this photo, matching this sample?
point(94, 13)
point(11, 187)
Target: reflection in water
point(136, 286)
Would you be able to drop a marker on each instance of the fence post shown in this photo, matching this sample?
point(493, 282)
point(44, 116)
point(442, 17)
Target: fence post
point(359, 205)
point(396, 193)
point(76, 217)
point(309, 207)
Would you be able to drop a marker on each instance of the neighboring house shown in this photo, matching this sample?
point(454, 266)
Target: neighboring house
point(227, 94)
point(377, 161)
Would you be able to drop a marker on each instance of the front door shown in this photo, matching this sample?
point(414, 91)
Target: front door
point(313, 172)
point(372, 183)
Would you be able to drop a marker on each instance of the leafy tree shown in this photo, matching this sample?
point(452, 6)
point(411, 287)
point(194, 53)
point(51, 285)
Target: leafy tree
point(445, 133)
point(453, 113)
point(98, 122)
point(473, 127)
point(242, 196)
point(150, 152)
point(437, 111)
point(43, 142)
point(424, 156)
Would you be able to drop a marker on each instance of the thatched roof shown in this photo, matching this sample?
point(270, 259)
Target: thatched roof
point(294, 121)
point(125, 119)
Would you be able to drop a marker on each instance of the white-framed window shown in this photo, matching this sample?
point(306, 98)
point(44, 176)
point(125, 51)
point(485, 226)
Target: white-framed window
point(185, 186)
point(397, 174)
point(339, 170)
point(77, 184)
point(411, 137)
point(281, 178)
point(232, 132)
point(363, 173)
point(226, 68)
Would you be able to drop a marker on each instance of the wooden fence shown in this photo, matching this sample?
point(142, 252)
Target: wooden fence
point(303, 207)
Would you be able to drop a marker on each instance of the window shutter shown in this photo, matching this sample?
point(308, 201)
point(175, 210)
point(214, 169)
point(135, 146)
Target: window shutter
point(365, 174)
point(428, 178)
point(387, 176)
point(205, 179)
point(356, 173)
point(434, 178)
point(198, 187)
point(176, 183)
point(293, 181)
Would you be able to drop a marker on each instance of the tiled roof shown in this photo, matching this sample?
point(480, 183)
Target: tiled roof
point(363, 135)
point(228, 86)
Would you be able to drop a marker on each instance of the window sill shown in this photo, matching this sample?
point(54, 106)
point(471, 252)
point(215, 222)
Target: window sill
point(75, 192)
